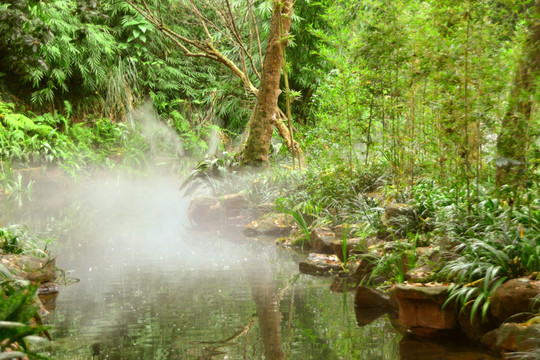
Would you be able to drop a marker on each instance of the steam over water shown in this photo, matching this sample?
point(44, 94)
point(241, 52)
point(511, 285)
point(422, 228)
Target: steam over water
point(153, 286)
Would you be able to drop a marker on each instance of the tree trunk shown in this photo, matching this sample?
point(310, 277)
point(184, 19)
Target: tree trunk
point(266, 110)
point(513, 138)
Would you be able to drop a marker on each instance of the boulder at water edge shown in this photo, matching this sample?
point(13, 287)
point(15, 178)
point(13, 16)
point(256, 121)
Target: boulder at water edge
point(421, 308)
point(321, 240)
point(513, 337)
point(271, 224)
point(31, 268)
point(210, 209)
point(514, 297)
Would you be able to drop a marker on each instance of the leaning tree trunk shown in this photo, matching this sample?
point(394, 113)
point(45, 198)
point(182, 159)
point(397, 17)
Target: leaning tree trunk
point(513, 138)
point(266, 110)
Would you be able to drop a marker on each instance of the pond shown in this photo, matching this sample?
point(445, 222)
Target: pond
point(152, 286)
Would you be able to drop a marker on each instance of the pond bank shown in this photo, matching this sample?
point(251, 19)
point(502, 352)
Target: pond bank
point(420, 306)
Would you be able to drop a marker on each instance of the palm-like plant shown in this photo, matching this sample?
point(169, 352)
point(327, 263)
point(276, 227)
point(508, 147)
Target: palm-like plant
point(483, 266)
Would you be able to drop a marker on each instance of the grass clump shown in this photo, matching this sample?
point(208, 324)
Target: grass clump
point(17, 240)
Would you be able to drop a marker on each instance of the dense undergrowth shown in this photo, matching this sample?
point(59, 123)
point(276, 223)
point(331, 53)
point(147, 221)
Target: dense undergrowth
point(28, 140)
point(481, 241)
point(21, 327)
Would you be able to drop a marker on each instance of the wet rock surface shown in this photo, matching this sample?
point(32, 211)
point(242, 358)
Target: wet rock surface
point(48, 301)
point(370, 304)
point(474, 329)
point(365, 316)
point(448, 348)
point(418, 307)
point(48, 287)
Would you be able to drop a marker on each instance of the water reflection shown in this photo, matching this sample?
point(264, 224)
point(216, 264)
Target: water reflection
point(266, 297)
point(444, 349)
point(152, 287)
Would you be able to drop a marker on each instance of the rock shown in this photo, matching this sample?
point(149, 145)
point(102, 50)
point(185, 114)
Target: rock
point(513, 297)
point(371, 298)
point(421, 307)
point(48, 287)
point(297, 238)
point(34, 269)
point(424, 251)
point(349, 229)
point(418, 274)
point(529, 339)
point(204, 209)
point(364, 266)
point(380, 199)
point(321, 240)
point(48, 301)
point(233, 205)
point(209, 209)
point(372, 241)
point(448, 348)
point(411, 348)
point(513, 337)
point(401, 218)
point(395, 210)
point(503, 338)
point(489, 340)
point(318, 264)
point(365, 316)
point(354, 246)
point(393, 299)
point(271, 224)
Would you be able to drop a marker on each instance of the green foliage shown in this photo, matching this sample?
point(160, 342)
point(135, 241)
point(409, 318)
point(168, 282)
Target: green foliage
point(16, 240)
point(208, 172)
point(395, 263)
point(20, 323)
point(495, 243)
point(298, 219)
point(334, 187)
point(29, 139)
point(73, 53)
point(408, 83)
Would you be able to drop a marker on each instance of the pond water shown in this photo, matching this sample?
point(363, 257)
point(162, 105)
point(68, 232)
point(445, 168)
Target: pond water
point(152, 286)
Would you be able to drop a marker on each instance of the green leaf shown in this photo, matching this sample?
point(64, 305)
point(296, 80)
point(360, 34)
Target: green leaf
point(479, 300)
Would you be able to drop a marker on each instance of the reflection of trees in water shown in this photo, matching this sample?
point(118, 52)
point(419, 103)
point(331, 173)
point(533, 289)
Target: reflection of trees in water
point(210, 349)
point(266, 297)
